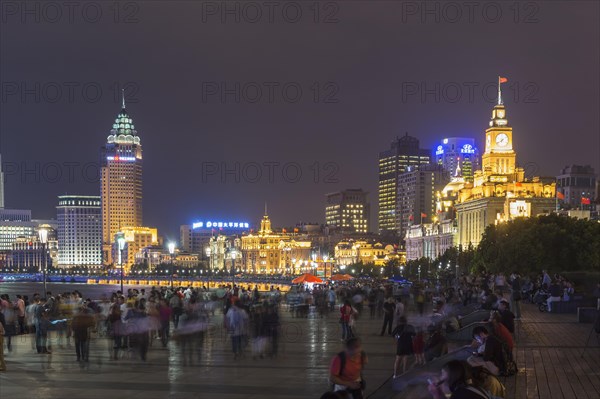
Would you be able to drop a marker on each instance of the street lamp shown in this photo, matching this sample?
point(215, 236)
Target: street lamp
point(233, 255)
point(43, 235)
point(171, 247)
point(120, 247)
point(208, 253)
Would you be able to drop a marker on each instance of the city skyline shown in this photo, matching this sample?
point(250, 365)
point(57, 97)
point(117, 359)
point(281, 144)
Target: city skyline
point(172, 227)
point(381, 85)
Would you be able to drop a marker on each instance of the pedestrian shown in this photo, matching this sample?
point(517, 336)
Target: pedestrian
point(388, 316)
point(346, 368)
point(403, 334)
point(81, 323)
point(346, 312)
point(236, 322)
point(2, 363)
point(398, 311)
point(419, 347)
point(457, 379)
point(41, 327)
point(516, 295)
point(420, 300)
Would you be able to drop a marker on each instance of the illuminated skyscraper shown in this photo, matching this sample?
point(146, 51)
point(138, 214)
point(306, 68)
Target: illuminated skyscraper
point(1, 184)
point(404, 152)
point(348, 210)
point(459, 156)
point(121, 180)
point(79, 231)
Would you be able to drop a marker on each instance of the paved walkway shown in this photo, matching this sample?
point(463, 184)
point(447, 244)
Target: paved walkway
point(300, 371)
point(552, 358)
point(548, 355)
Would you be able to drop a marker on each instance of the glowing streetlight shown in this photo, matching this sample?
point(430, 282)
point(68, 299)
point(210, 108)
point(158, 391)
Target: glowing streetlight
point(120, 237)
point(43, 235)
point(171, 248)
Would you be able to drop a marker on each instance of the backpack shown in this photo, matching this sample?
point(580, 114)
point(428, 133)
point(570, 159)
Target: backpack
point(342, 356)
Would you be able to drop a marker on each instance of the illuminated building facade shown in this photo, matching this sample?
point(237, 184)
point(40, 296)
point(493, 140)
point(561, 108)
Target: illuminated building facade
point(404, 152)
point(429, 240)
point(349, 252)
point(348, 210)
point(79, 231)
point(121, 181)
point(577, 184)
point(136, 238)
point(499, 191)
point(417, 190)
point(15, 215)
point(27, 252)
point(195, 237)
point(270, 252)
point(458, 155)
point(154, 255)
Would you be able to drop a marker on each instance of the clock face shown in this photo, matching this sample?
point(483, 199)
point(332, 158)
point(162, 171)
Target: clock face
point(502, 139)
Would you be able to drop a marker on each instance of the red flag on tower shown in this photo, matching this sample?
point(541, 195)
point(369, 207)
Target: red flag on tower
point(503, 80)
point(411, 217)
point(585, 201)
point(423, 215)
point(560, 195)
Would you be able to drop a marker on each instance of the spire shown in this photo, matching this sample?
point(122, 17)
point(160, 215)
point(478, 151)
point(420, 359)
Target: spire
point(265, 208)
point(499, 92)
point(123, 98)
point(500, 81)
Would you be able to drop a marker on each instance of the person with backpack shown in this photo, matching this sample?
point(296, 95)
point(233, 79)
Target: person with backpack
point(345, 370)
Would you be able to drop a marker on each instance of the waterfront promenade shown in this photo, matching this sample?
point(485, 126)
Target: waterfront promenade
point(548, 355)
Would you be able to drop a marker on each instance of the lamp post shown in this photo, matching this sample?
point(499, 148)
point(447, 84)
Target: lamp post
point(171, 247)
point(120, 246)
point(233, 255)
point(208, 253)
point(43, 235)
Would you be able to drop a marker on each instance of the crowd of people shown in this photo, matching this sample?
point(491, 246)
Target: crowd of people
point(417, 318)
point(420, 339)
point(131, 321)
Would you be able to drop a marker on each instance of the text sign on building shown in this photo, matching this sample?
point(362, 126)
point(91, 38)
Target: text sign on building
point(120, 158)
point(467, 149)
point(439, 150)
point(220, 225)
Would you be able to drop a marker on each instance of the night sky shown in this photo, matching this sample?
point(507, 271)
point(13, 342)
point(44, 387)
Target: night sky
point(362, 71)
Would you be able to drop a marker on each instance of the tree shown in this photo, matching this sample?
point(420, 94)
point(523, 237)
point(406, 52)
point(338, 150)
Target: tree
point(552, 242)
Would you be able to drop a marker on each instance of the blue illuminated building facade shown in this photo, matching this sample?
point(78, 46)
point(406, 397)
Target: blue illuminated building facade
point(195, 237)
point(459, 156)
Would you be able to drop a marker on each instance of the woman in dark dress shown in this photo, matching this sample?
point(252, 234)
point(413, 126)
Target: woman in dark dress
point(403, 334)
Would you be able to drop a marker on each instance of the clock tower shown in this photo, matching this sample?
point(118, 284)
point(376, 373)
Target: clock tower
point(499, 157)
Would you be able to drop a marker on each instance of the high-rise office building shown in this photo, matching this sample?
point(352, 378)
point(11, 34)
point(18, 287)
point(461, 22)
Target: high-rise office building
point(577, 184)
point(121, 181)
point(417, 190)
point(1, 184)
point(348, 210)
point(459, 156)
point(404, 152)
point(79, 231)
